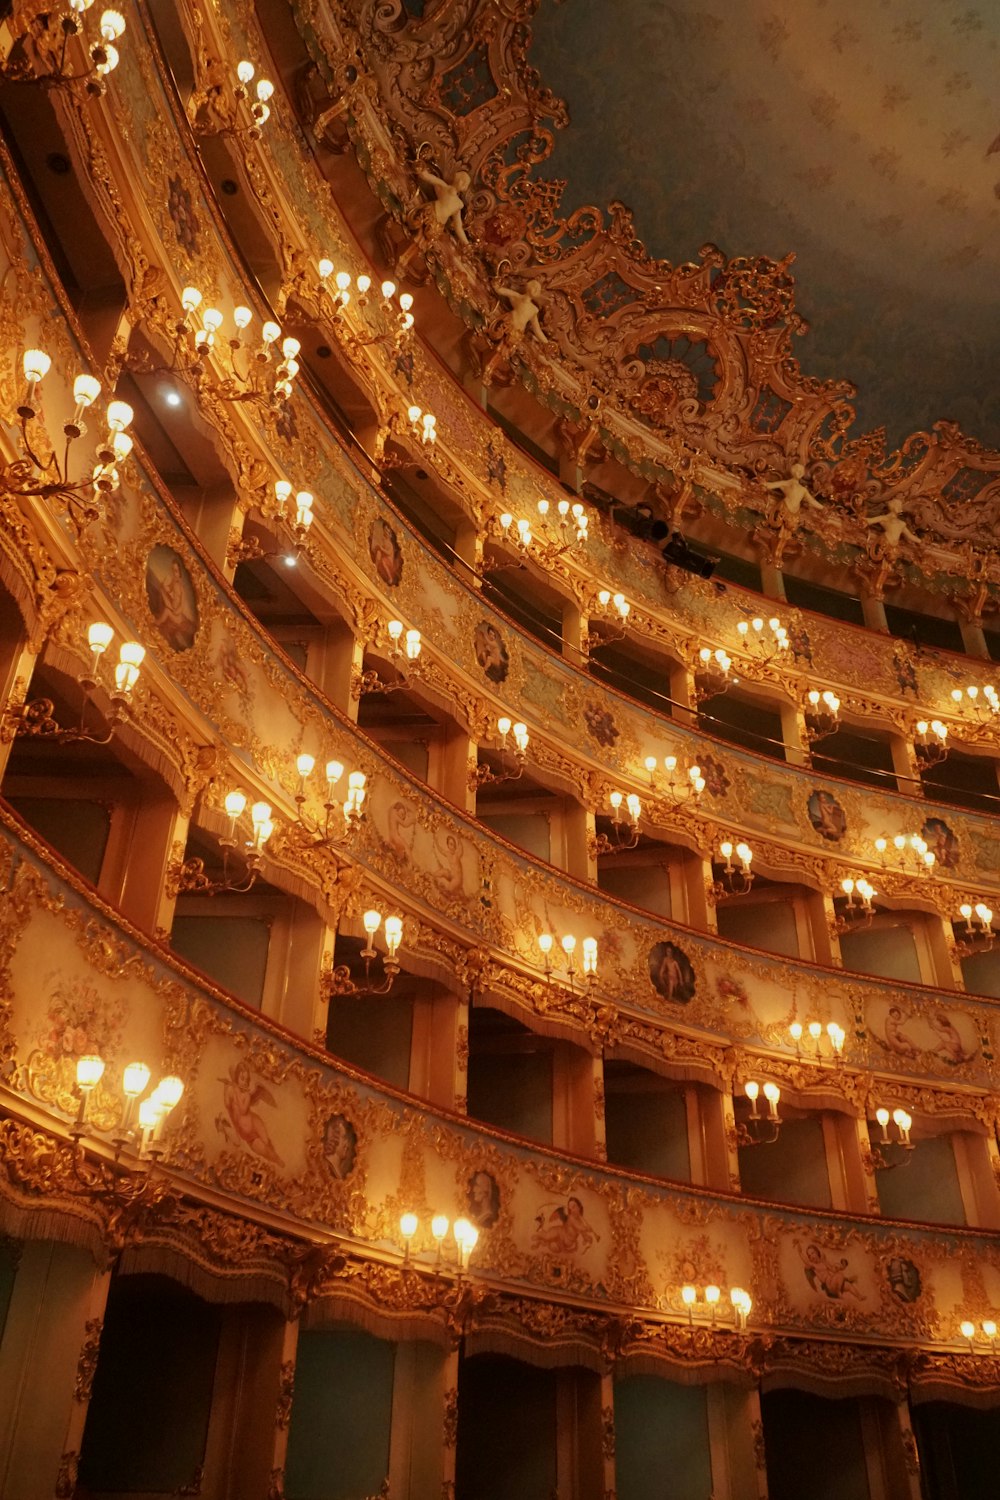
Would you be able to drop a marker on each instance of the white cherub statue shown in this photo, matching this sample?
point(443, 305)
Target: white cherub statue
point(894, 528)
point(794, 494)
point(448, 201)
point(524, 309)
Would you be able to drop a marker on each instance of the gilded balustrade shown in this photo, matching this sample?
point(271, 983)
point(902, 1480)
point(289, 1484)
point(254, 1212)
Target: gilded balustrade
point(280, 1166)
point(630, 736)
point(233, 680)
point(889, 680)
point(395, 117)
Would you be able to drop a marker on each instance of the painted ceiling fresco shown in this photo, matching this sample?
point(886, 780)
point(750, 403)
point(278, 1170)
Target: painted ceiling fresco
point(863, 135)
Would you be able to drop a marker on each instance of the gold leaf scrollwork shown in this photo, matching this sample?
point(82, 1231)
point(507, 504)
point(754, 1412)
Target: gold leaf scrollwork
point(66, 1477)
point(451, 1417)
point(286, 1391)
point(87, 1363)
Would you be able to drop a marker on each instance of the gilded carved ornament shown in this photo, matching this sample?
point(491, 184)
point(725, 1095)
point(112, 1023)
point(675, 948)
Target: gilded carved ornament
point(765, 283)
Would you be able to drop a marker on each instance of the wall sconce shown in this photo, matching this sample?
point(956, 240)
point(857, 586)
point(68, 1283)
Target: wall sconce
point(52, 33)
point(931, 743)
point(340, 982)
point(677, 792)
point(570, 526)
point(151, 1112)
point(979, 703)
point(624, 825)
point(910, 850)
point(546, 942)
point(511, 769)
point(466, 1237)
point(35, 719)
point(984, 1333)
point(35, 478)
point(248, 112)
point(341, 820)
point(391, 322)
point(571, 521)
point(855, 910)
point(241, 856)
point(760, 642)
point(423, 423)
point(712, 674)
point(835, 1035)
point(296, 515)
point(732, 879)
point(822, 715)
point(708, 1305)
point(976, 935)
point(404, 653)
point(889, 1153)
point(248, 376)
point(614, 610)
point(759, 1129)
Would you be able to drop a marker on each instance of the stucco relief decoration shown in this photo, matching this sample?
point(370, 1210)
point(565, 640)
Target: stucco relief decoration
point(701, 350)
point(671, 973)
point(171, 598)
point(826, 815)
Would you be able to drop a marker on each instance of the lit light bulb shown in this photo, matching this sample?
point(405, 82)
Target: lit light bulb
point(120, 415)
point(134, 1079)
point(89, 1071)
point(235, 804)
point(393, 934)
point(408, 1225)
point(99, 638)
point(304, 765)
point(371, 921)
